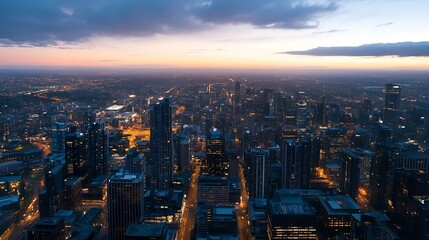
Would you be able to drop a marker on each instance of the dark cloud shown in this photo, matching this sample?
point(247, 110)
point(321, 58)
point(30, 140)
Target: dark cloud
point(46, 22)
point(263, 13)
point(401, 49)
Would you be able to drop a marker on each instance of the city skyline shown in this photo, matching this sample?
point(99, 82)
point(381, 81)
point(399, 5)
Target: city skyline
point(194, 34)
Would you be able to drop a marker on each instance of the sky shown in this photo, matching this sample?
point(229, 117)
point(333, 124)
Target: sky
point(217, 34)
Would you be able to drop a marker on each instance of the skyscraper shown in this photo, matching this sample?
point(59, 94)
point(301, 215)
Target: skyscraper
point(97, 149)
point(391, 105)
point(293, 154)
point(350, 172)
point(125, 203)
point(216, 162)
point(237, 100)
point(258, 179)
point(161, 143)
point(75, 155)
point(58, 136)
point(381, 178)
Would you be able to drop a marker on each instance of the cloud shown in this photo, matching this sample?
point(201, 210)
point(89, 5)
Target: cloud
point(46, 22)
point(200, 50)
point(384, 24)
point(264, 13)
point(330, 31)
point(400, 49)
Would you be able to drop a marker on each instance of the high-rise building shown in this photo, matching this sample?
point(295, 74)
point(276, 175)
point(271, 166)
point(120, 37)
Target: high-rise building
point(419, 218)
point(134, 162)
point(75, 155)
point(406, 185)
point(336, 215)
point(350, 172)
point(161, 143)
point(47, 228)
point(58, 136)
point(365, 112)
point(295, 164)
point(184, 152)
point(216, 222)
point(97, 150)
point(237, 100)
point(414, 160)
point(391, 105)
point(213, 190)
point(381, 178)
point(125, 203)
point(258, 179)
point(372, 225)
point(291, 218)
point(54, 185)
point(216, 163)
point(72, 193)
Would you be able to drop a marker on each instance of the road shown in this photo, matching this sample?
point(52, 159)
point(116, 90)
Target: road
point(189, 214)
point(363, 199)
point(29, 215)
point(242, 212)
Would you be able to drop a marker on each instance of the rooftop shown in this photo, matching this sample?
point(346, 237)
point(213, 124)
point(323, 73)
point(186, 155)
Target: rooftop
point(145, 230)
point(115, 108)
point(339, 205)
point(291, 206)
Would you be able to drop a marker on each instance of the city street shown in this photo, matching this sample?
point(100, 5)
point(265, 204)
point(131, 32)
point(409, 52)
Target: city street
point(189, 214)
point(242, 212)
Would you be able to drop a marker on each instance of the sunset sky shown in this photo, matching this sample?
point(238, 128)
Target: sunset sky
point(257, 34)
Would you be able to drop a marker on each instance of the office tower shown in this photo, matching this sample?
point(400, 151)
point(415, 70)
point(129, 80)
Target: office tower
point(161, 143)
point(97, 150)
point(72, 193)
point(135, 162)
point(334, 140)
point(381, 176)
point(258, 179)
point(360, 139)
point(391, 105)
point(319, 111)
point(184, 152)
point(312, 146)
point(413, 160)
point(75, 155)
point(44, 204)
point(216, 222)
point(301, 106)
point(51, 228)
point(147, 231)
point(258, 218)
point(365, 112)
point(125, 203)
point(237, 100)
point(216, 163)
point(336, 215)
point(419, 218)
point(350, 172)
point(58, 136)
point(213, 190)
point(332, 113)
point(54, 185)
point(408, 184)
point(372, 225)
point(291, 218)
point(295, 164)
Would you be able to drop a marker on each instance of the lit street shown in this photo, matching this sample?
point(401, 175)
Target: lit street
point(189, 214)
point(242, 212)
